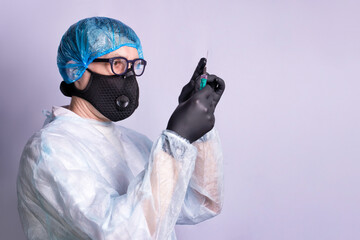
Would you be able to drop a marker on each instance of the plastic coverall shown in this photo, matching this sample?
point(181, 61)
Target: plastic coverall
point(83, 179)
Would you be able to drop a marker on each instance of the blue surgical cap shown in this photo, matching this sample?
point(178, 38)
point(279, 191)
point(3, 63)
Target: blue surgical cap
point(91, 38)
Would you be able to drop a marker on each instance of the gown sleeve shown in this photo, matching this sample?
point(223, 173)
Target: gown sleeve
point(204, 196)
point(76, 197)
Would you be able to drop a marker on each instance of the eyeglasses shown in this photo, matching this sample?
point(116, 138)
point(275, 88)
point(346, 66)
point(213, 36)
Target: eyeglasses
point(119, 65)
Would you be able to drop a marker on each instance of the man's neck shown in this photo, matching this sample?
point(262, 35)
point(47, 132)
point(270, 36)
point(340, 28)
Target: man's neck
point(85, 110)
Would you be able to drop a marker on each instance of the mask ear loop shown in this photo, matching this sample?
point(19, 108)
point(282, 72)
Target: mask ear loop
point(70, 90)
point(66, 89)
point(89, 71)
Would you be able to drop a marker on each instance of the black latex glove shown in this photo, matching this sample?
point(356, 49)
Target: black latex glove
point(194, 116)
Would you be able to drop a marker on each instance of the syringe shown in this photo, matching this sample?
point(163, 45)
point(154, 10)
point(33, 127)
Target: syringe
point(203, 79)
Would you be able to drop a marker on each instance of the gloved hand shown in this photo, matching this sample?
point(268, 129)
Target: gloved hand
point(194, 115)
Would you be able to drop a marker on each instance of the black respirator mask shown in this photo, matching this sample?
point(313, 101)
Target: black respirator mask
point(115, 97)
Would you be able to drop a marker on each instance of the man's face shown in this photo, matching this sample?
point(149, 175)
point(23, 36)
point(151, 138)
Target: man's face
point(104, 68)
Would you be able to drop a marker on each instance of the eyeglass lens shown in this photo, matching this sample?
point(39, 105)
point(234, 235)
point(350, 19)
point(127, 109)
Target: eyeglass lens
point(119, 66)
point(139, 67)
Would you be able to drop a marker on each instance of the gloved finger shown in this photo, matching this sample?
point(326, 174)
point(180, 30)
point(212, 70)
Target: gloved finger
point(199, 69)
point(186, 92)
point(220, 87)
point(197, 84)
point(211, 80)
point(217, 84)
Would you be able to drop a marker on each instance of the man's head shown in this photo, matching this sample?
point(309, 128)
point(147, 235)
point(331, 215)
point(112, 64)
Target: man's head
point(89, 39)
point(98, 59)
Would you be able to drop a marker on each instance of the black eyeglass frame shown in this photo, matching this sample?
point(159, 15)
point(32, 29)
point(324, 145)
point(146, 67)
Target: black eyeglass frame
point(111, 61)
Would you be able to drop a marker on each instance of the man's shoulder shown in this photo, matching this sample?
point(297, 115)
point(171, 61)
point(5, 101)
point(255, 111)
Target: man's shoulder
point(58, 132)
point(41, 138)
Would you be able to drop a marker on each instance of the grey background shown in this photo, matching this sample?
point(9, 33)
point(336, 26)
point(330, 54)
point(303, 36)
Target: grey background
point(289, 118)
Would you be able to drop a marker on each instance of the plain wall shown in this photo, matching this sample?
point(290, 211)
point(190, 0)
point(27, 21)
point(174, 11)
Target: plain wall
point(288, 120)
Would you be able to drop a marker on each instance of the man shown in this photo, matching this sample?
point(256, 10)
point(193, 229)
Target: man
point(83, 177)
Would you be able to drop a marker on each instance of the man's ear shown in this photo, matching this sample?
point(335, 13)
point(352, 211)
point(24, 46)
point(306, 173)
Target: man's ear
point(83, 81)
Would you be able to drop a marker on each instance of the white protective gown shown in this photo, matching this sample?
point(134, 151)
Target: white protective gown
point(84, 179)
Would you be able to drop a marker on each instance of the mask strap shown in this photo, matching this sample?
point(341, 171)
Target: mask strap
point(89, 71)
point(67, 89)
